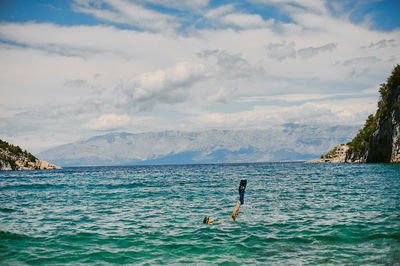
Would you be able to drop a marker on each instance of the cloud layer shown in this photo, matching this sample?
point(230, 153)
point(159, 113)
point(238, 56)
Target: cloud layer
point(145, 69)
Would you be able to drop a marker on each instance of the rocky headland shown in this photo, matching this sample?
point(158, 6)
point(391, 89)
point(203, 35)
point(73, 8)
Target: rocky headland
point(381, 143)
point(379, 140)
point(14, 158)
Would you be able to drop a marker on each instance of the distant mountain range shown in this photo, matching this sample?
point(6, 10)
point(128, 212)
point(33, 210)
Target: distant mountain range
point(289, 142)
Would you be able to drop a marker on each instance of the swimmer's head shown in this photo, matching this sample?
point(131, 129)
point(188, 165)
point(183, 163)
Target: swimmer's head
point(208, 220)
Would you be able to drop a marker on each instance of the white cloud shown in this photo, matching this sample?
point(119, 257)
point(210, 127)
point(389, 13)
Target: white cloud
point(313, 51)
point(317, 6)
point(281, 51)
point(282, 97)
point(370, 91)
point(219, 11)
point(244, 21)
point(181, 4)
point(220, 96)
point(109, 122)
point(361, 60)
point(230, 66)
point(167, 86)
point(381, 44)
point(226, 16)
point(129, 13)
point(342, 111)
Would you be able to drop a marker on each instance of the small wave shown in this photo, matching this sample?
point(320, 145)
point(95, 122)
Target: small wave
point(129, 185)
point(82, 237)
point(331, 238)
point(395, 236)
point(7, 210)
point(34, 186)
point(117, 186)
point(12, 236)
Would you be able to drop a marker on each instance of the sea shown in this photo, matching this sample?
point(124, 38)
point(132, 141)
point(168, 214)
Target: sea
point(293, 214)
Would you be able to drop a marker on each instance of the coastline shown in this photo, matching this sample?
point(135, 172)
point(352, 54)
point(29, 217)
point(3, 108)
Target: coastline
point(37, 165)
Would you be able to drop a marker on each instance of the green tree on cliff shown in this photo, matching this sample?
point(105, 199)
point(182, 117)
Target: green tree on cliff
point(361, 142)
point(16, 150)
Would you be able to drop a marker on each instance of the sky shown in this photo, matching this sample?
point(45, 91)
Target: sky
point(70, 70)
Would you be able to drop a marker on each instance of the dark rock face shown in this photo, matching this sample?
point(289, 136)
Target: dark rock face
point(384, 146)
point(381, 144)
point(352, 157)
point(385, 143)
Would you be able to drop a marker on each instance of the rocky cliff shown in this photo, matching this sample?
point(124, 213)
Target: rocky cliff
point(379, 140)
point(13, 158)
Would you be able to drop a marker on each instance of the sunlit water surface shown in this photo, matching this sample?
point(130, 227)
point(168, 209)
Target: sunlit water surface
point(294, 213)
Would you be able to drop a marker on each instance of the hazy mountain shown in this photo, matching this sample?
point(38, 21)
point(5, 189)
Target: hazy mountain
point(288, 142)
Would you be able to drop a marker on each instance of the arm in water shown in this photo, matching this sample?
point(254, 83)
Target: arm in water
point(235, 211)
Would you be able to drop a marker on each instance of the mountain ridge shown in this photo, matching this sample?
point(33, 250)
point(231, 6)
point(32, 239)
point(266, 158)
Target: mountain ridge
point(284, 143)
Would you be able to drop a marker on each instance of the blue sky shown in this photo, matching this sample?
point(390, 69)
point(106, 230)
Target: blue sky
point(74, 69)
point(382, 13)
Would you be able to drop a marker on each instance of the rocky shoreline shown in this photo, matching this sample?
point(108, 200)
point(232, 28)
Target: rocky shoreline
point(22, 165)
point(13, 158)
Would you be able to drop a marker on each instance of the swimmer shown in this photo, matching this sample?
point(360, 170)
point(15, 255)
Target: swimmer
point(242, 187)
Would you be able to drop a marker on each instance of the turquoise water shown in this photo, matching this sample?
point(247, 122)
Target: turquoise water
point(294, 213)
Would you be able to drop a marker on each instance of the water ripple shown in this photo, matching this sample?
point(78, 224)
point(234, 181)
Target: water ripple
point(294, 213)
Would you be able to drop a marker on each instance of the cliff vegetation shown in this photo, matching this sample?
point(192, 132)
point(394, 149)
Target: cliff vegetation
point(14, 158)
point(379, 139)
